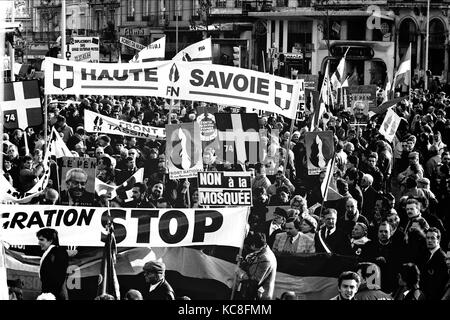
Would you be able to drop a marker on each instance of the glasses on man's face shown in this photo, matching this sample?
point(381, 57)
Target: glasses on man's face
point(79, 183)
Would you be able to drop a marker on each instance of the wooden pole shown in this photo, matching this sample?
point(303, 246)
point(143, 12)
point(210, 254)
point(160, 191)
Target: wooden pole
point(233, 291)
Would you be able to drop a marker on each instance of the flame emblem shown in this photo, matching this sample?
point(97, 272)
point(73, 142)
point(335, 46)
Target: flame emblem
point(174, 75)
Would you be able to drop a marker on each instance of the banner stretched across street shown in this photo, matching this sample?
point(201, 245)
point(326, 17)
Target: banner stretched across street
point(176, 80)
point(133, 227)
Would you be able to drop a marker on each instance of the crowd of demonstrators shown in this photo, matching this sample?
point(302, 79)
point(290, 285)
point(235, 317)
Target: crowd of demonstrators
point(395, 195)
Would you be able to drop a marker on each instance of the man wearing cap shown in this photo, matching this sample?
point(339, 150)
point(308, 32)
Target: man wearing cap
point(160, 289)
point(272, 227)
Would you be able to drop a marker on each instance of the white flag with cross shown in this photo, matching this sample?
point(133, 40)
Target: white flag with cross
point(22, 105)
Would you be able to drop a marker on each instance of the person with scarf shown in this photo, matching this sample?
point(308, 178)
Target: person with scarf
point(259, 270)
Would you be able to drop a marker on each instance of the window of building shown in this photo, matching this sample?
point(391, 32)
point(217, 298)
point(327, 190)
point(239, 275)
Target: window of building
point(356, 29)
point(131, 6)
point(299, 34)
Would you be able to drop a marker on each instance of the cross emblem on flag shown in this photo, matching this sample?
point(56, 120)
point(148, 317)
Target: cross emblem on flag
point(62, 76)
point(242, 130)
point(22, 105)
point(283, 95)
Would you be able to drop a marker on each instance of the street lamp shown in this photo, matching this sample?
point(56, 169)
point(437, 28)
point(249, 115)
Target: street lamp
point(427, 44)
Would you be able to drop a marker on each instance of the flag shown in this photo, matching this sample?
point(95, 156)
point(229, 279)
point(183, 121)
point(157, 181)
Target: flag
point(154, 51)
point(328, 186)
point(123, 190)
point(338, 75)
point(403, 74)
point(239, 133)
point(311, 276)
point(59, 148)
point(198, 52)
point(108, 282)
point(4, 294)
point(390, 125)
point(190, 271)
point(345, 83)
point(382, 108)
point(325, 91)
point(353, 79)
point(387, 90)
point(318, 109)
point(22, 105)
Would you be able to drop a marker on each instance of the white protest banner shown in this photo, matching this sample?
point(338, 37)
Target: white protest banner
point(96, 122)
point(131, 43)
point(184, 150)
point(212, 83)
point(84, 49)
point(155, 50)
point(225, 188)
point(133, 227)
point(390, 125)
point(199, 51)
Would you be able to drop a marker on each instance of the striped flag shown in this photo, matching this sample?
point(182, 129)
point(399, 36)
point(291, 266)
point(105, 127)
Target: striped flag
point(328, 186)
point(318, 109)
point(190, 271)
point(198, 52)
point(59, 148)
point(403, 74)
point(108, 282)
point(22, 105)
point(311, 276)
point(338, 75)
point(123, 190)
point(325, 91)
point(390, 125)
point(4, 295)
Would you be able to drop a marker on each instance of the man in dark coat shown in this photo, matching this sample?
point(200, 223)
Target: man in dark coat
point(159, 289)
point(272, 227)
point(329, 238)
point(434, 277)
point(370, 196)
point(54, 263)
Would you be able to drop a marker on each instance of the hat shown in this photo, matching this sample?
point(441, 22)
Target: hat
point(156, 266)
point(281, 212)
point(310, 220)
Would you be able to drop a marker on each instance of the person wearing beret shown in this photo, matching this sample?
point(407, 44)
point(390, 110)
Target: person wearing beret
point(159, 289)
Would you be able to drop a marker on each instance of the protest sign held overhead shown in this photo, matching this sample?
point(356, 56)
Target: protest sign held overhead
point(84, 49)
point(133, 227)
point(176, 80)
point(390, 125)
point(207, 122)
point(239, 136)
point(184, 150)
point(359, 100)
point(227, 188)
point(78, 181)
point(21, 105)
point(96, 122)
point(319, 150)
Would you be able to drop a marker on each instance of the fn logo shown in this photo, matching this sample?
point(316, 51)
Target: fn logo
point(98, 123)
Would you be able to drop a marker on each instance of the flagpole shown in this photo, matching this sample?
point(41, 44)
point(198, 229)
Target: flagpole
point(327, 183)
point(286, 158)
point(45, 118)
point(264, 61)
point(241, 248)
